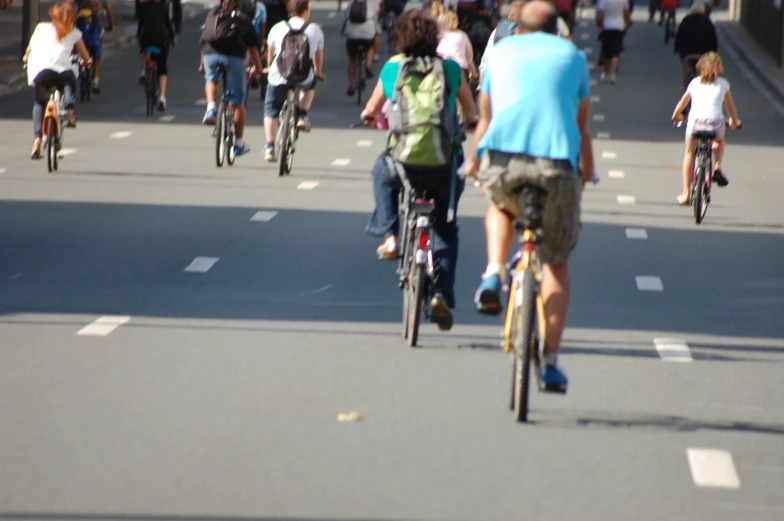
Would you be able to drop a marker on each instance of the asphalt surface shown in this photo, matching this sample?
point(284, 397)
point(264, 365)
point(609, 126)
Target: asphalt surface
point(215, 395)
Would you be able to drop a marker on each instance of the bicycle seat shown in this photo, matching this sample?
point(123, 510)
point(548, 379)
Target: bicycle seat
point(221, 68)
point(152, 50)
point(707, 135)
point(419, 205)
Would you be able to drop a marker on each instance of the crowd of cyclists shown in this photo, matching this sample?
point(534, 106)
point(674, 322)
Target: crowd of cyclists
point(520, 84)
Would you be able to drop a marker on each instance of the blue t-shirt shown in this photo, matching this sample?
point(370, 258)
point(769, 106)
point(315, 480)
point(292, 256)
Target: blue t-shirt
point(535, 82)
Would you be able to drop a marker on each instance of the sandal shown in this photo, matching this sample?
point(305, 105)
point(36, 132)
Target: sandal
point(388, 249)
point(36, 153)
point(683, 200)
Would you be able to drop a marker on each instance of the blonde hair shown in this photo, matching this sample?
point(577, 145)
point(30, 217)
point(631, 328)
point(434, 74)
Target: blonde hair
point(515, 8)
point(448, 20)
point(62, 18)
point(437, 9)
point(709, 67)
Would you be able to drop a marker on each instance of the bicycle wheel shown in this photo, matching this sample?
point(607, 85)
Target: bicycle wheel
point(292, 144)
point(700, 202)
point(149, 93)
point(230, 139)
point(220, 135)
point(284, 134)
point(523, 331)
point(416, 293)
point(51, 148)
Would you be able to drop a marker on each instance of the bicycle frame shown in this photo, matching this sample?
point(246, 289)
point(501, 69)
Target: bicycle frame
point(528, 256)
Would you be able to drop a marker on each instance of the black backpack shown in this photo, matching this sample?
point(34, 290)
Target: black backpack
point(293, 59)
point(357, 13)
point(221, 28)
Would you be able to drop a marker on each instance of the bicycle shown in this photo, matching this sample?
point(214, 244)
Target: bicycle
point(54, 125)
point(151, 78)
point(286, 140)
point(361, 70)
point(85, 79)
point(388, 25)
point(669, 26)
point(224, 133)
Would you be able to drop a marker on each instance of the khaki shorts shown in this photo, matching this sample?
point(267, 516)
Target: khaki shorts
point(501, 176)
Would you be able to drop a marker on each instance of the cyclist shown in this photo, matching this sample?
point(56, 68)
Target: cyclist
point(417, 38)
point(284, 47)
point(668, 9)
point(709, 94)
point(227, 36)
point(88, 20)
point(453, 44)
point(614, 17)
point(696, 35)
point(277, 11)
point(534, 108)
point(48, 59)
point(361, 30)
point(155, 30)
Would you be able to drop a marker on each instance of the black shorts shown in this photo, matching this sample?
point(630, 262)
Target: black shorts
point(353, 46)
point(612, 43)
point(161, 60)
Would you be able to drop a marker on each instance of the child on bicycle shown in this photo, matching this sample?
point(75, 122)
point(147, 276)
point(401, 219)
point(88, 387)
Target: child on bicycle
point(709, 94)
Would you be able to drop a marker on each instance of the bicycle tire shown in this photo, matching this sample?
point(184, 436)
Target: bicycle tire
point(149, 92)
point(220, 135)
point(293, 135)
point(416, 285)
point(89, 86)
point(284, 135)
point(51, 149)
point(699, 203)
point(230, 139)
point(523, 317)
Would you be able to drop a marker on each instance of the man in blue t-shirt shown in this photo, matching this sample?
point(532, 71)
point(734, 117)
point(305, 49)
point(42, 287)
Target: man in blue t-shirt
point(533, 129)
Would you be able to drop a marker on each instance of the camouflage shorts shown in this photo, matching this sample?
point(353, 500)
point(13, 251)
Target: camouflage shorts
point(501, 176)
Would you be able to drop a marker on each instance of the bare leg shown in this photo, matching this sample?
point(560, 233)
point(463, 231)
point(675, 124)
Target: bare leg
point(688, 165)
point(97, 70)
point(270, 128)
point(499, 230)
point(718, 153)
point(239, 120)
point(556, 292)
point(614, 65)
point(211, 91)
point(306, 99)
point(162, 80)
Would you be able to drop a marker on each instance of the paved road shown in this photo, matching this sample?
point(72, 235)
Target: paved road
point(215, 395)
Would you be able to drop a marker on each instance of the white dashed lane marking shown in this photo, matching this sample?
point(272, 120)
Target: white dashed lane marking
point(201, 264)
point(672, 350)
point(593, 83)
point(167, 118)
point(263, 216)
point(616, 174)
point(200, 101)
point(626, 199)
point(120, 135)
point(103, 326)
point(636, 233)
point(331, 15)
point(364, 143)
point(307, 185)
point(585, 36)
point(712, 468)
point(649, 283)
point(609, 155)
point(595, 99)
point(603, 135)
point(341, 162)
point(3, 170)
point(598, 117)
point(67, 151)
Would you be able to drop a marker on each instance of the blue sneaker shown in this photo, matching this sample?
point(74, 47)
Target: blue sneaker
point(241, 151)
point(488, 296)
point(209, 117)
point(553, 379)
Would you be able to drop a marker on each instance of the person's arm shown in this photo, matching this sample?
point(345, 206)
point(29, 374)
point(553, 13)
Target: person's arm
point(714, 39)
point(627, 16)
point(375, 103)
point(469, 55)
point(586, 164)
point(600, 18)
point(169, 27)
point(140, 23)
point(466, 101)
point(82, 50)
point(110, 15)
point(318, 64)
point(734, 121)
point(485, 115)
point(255, 59)
point(677, 114)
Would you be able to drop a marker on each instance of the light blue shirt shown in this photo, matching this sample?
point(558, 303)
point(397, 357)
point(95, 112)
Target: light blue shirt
point(535, 82)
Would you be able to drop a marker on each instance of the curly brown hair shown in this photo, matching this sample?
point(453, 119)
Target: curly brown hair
point(709, 67)
point(416, 34)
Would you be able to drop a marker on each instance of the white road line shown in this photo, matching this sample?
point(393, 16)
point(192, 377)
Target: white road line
point(341, 162)
point(201, 264)
point(364, 143)
point(602, 135)
point(649, 283)
point(598, 117)
point(263, 216)
point(626, 199)
point(616, 174)
point(636, 233)
point(585, 36)
point(331, 15)
point(200, 101)
point(67, 151)
point(307, 185)
point(120, 135)
point(712, 468)
point(595, 99)
point(609, 155)
point(103, 326)
point(3, 170)
point(316, 291)
point(593, 83)
point(588, 50)
point(167, 118)
point(672, 350)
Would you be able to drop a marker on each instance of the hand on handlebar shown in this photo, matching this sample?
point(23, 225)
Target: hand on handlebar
point(678, 120)
point(470, 126)
point(734, 123)
point(320, 75)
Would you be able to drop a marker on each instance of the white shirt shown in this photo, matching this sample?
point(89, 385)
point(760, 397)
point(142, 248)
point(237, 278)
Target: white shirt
point(707, 99)
point(366, 30)
point(613, 13)
point(48, 53)
point(315, 38)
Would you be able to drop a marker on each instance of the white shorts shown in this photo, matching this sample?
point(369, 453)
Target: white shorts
point(710, 125)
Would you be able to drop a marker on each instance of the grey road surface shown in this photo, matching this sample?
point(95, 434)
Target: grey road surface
point(131, 389)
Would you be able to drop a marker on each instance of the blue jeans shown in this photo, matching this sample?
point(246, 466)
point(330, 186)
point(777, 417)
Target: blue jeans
point(235, 77)
point(385, 220)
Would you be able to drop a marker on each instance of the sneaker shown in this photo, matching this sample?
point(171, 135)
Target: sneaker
point(719, 178)
point(369, 73)
point(269, 154)
point(553, 379)
point(440, 313)
point(161, 104)
point(603, 76)
point(303, 124)
point(612, 79)
point(209, 117)
point(388, 249)
point(488, 296)
point(241, 150)
point(350, 91)
point(96, 86)
point(142, 78)
point(376, 58)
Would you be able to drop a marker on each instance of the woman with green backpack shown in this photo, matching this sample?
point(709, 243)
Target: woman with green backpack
point(425, 140)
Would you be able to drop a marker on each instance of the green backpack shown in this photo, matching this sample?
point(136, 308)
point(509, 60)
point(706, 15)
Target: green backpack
point(421, 124)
